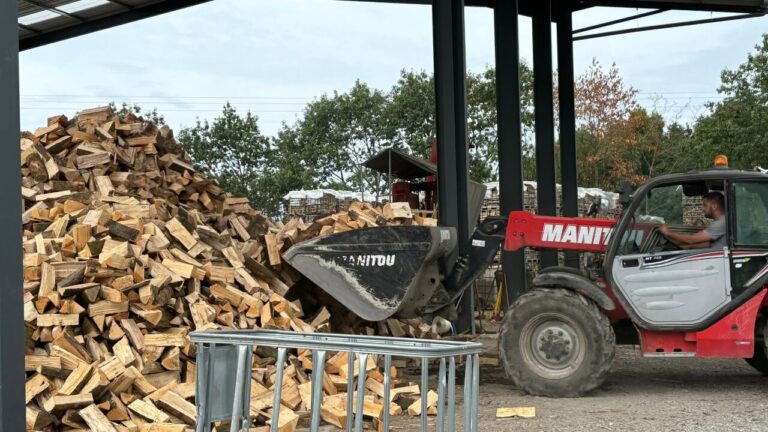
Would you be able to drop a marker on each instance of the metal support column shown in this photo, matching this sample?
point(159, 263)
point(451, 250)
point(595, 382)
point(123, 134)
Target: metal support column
point(11, 291)
point(568, 174)
point(452, 158)
point(545, 137)
point(509, 135)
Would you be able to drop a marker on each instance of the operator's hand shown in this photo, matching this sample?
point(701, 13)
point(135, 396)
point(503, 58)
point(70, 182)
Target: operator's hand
point(664, 229)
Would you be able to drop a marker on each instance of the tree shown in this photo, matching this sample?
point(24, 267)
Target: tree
point(233, 151)
point(736, 126)
point(412, 114)
point(338, 133)
point(603, 106)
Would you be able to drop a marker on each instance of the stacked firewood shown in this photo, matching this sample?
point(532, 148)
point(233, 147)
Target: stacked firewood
point(127, 248)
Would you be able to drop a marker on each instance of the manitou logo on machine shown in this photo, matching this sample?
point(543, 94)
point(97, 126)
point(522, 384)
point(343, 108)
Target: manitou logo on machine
point(369, 260)
point(575, 234)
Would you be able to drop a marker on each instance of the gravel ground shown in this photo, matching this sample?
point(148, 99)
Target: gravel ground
point(640, 394)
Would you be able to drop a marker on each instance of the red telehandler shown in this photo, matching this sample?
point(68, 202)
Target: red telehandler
point(638, 287)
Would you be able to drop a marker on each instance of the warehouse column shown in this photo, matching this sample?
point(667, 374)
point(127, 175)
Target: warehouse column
point(450, 99)
point(509, 135)
point(11, 303)
point(568, 168)
point(544, 115)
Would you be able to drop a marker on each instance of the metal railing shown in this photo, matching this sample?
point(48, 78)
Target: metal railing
point(224, 360)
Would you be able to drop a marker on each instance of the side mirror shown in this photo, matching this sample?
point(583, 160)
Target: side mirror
point(625, 194)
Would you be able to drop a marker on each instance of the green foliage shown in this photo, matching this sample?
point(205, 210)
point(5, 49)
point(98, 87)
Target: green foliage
point(233, 151)
point(736, 126)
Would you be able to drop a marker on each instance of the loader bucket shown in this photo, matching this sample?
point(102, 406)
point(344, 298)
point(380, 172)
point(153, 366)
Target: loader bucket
point(377, 272)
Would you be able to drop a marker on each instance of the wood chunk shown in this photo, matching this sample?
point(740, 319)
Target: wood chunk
point(76, 380)
point(50, 320)
point(165, 340)
point(96, 419)
point(272, 249)
point(112, 368)
point(33, 362)
point(148, 411)
point(287, 421)
point(179, 407)
point(107, 308)
point(62, 402)
point(34, 386)
point(92, 160)
point(122, 231)
point(415, 408)
point(177, 231)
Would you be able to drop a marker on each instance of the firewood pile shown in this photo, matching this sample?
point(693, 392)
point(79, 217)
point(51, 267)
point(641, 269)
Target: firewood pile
point(127, 248)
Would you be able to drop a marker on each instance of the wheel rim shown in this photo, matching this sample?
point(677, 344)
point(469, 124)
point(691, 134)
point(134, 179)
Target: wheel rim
point(552, 345)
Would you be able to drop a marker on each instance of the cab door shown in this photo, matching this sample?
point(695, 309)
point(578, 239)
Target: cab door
point(666, 286)
point(749, 233)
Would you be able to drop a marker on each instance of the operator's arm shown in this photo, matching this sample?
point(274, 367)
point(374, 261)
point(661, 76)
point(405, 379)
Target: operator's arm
point(687, 241)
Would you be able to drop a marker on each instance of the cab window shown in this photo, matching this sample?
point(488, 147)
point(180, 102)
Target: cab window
point(751, 208)
point(678, 205)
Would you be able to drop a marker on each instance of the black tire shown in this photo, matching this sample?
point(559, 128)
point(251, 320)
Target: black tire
point(556, 343)
point(759, 361)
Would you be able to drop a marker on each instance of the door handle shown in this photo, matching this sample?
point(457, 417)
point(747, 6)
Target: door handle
point(630, 263)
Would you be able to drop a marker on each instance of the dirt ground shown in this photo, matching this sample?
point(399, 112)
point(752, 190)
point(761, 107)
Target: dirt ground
point(640, 394)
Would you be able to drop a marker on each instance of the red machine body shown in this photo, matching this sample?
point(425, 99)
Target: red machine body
point(525, 229)
point(733, 336)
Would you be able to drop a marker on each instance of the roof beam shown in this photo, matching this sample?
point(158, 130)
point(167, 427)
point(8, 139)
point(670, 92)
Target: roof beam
point(93, 25)
point(54, 10)
point(28, 28)
point(744, 6)
point(619, 21)
point(120, 3)
point(669, 25)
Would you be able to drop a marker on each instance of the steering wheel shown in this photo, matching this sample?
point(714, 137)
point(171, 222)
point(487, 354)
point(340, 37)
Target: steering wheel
point(664, 243)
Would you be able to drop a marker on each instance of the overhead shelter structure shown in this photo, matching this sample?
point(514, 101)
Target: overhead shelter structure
point(32, 23)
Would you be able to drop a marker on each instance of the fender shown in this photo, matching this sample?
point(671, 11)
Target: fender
point(572, 279)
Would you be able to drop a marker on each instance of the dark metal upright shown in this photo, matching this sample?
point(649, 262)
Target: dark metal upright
point(568, 167)
point(544, 115)
point(451, 122)
point(11, 291)
point(506, 29)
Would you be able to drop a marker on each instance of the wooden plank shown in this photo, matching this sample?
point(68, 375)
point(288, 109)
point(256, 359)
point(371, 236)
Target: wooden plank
point(519, 412)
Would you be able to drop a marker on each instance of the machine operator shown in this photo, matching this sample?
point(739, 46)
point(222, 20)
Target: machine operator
point(713, 205)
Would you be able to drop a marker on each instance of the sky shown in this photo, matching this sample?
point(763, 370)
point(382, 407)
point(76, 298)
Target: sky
point(273, 56)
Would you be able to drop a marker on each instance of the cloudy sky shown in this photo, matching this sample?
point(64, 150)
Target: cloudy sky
point(272, 56)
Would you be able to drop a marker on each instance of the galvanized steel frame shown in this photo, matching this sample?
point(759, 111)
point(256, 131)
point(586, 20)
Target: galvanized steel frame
point(360, 346)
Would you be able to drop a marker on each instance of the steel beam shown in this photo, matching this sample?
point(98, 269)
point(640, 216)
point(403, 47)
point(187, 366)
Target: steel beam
point(450, 99)
point(544, 114)
point(11, 291)
point(507, 42)
point(568, 168)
